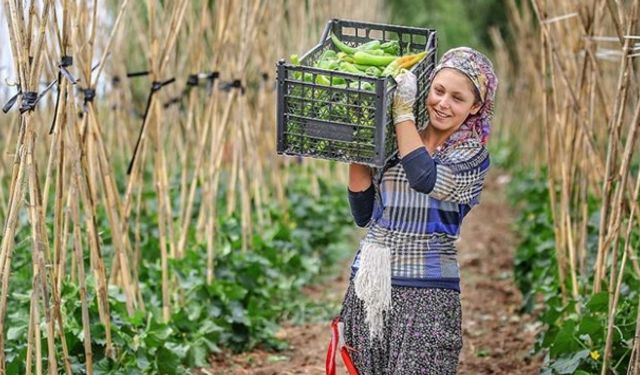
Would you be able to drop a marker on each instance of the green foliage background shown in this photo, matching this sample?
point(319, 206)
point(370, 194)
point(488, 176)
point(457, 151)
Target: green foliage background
point(253, 290)
point(458, 22)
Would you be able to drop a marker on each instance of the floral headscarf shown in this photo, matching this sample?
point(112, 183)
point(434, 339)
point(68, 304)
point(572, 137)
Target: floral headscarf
point(478, 68)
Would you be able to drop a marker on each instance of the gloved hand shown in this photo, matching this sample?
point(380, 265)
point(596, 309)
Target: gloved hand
point(404, 97)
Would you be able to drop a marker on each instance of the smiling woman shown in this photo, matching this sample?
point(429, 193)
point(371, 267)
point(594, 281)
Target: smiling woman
point(451, 100)
point(402, 308)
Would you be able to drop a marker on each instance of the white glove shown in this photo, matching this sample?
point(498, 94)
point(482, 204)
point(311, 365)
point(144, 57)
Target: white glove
point(404, 97)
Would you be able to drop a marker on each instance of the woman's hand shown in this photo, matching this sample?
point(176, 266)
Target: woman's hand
point(404, 97)
point(403, 118)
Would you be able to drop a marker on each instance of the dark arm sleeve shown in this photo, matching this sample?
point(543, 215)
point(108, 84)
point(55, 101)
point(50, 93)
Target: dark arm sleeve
point(362, 205)
point(420, 170)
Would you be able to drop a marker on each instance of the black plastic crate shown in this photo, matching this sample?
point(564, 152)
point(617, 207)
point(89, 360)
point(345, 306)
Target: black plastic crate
point(350, 121)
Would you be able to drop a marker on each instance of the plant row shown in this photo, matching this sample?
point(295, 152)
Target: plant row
point(252, 292)
point(574, 330)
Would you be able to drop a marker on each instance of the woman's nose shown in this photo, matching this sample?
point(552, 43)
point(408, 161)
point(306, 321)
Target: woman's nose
point(444, 103)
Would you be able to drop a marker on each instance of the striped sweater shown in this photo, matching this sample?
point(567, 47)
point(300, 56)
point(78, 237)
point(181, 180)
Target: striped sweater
point(421, 229)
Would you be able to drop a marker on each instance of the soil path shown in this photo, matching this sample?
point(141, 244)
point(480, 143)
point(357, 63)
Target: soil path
point(497, 340)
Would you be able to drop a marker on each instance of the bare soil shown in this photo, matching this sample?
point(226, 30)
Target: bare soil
point(497, 339)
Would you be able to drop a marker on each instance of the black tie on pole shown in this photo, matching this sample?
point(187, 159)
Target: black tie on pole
point(65, 61)
point(7, 107)
point(29, 101)
point(155, 87)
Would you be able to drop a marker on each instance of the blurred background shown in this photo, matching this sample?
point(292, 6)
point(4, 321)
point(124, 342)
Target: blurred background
point(149, 225)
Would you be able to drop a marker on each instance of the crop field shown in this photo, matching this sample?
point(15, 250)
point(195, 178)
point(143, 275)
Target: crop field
point(173, 180)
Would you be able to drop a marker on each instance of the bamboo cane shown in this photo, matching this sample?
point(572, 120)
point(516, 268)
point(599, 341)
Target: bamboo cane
point(578, 164)
point(634, 361)
point(82, 163)
point(615, 283)
point(39, 245)
point(81, 180)
point(34, 322)
point(549, 149)
point(26, 163)
point(211, 198)
point(623, 84)
point(82, 286)
point(200, 155)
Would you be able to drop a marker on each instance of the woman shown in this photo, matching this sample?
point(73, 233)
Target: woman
point(402, 312)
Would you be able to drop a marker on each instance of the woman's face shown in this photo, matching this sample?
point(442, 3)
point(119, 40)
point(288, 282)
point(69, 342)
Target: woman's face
point(451, 100)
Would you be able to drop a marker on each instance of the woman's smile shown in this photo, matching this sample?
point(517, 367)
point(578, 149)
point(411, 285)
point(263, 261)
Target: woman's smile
point(450, 101)
point(440, 115)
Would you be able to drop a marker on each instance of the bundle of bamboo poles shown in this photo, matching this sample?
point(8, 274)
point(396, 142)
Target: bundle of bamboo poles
point(578, 71)
point(202, 115)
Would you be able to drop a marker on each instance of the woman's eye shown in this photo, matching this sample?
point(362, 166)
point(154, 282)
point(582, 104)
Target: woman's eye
point(457, 98)
point(439, 91)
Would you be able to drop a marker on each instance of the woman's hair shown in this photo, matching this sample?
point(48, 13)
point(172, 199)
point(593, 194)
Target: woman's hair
point(476, 94)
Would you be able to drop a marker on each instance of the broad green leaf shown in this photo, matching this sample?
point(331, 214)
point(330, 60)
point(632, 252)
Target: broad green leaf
point(197, 356)
point(213, 348)
point(15, 333)
point(230, 292)
point(167, 361)
point(599, 302)
point(194, 310)
point(207, 326)
point(178, 349)
point(238, 314)
point(569, 363)
point(564, 341)
point(102, 367)
point(591, 326)
point(157, 337)
point(142, 360)
point(137, 318)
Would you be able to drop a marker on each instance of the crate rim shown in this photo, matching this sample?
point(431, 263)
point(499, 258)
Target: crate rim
point(372, 80)
point(383, 85)
point(327, 29)
point(325, 36)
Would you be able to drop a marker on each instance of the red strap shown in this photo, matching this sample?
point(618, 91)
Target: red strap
point(347, 361)
point(344, 352)
point(331, 351)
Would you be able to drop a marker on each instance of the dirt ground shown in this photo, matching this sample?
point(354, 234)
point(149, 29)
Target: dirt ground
point(497, 340)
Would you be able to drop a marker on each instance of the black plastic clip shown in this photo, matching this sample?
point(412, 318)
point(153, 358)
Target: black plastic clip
point(137, 74)
point(7, 107)
point(211, 77)
point(157, 85)
point(192, 80)
point(235, 84)
point(89, 95)
point(29, 101)
point(65, 62)
point(172, 101)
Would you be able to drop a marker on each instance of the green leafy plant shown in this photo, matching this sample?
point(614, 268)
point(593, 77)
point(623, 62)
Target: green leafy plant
point(252, 292)
point(574, 331)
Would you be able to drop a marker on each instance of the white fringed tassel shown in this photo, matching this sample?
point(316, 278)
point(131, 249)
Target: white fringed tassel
point(373, 285)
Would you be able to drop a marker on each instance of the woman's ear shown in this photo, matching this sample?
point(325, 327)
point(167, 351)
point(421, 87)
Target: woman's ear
point(475, 108)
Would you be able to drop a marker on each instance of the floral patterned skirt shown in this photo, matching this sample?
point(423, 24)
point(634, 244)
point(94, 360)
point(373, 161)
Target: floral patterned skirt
point(422, 333)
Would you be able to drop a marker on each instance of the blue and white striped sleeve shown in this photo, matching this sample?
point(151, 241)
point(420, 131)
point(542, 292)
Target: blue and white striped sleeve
point(460, 174)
